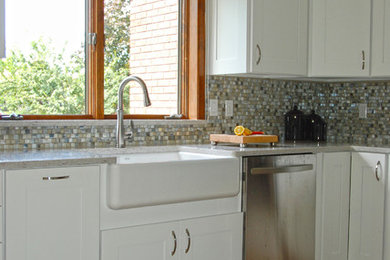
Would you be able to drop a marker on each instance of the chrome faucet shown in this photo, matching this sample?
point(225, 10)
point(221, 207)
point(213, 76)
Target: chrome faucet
point(120, 131)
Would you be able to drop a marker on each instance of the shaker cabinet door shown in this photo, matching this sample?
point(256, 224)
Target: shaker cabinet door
point(212, 238)
point(340, 42)
point(333, 206)
point(368, 178)
point(52, 214)
point(279, 31)
point(147, 242)
point(380, 65)
point(227, 36)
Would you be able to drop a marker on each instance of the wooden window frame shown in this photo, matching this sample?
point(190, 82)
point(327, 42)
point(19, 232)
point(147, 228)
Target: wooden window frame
point(192, 66)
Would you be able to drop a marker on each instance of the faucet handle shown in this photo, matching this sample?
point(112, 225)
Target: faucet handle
point(129, 136)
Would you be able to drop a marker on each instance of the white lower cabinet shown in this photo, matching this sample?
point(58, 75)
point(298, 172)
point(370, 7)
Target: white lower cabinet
point(148, 242)
point(368, 178)
point(351, 206)
point(52, 214)
point(208, 238)
point(212, 238)
point(333, 206)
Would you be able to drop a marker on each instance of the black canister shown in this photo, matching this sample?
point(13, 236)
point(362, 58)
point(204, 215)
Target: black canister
point(315, 127)
point(294, 125)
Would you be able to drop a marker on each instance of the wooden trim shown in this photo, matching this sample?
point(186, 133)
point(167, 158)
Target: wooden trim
point(184, 58)
point(57, 117)
point(96, 61)
point(196, 59)
point(193, 66)
point(136, 116)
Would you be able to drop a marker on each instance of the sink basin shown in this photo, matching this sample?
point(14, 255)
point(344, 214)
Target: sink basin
point(149, 179)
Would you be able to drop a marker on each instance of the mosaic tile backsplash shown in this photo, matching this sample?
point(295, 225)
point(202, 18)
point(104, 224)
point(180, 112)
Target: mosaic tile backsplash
point(259, 104)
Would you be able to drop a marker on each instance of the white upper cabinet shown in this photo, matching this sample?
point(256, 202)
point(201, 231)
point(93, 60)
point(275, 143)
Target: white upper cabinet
point(257, 36)
point(319, 38)
point(340, 37)
point(278, 31)
point(227, 22)
point(380, 62)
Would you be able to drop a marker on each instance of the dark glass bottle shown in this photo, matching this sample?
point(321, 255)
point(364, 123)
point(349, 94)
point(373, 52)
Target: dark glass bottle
point(294, 125)
point(315, 127)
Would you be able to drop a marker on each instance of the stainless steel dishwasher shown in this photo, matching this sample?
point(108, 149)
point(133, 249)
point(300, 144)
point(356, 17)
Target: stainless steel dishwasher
point(279, 197)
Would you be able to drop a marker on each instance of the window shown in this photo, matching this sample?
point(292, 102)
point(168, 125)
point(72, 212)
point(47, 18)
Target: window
point(2, 31)
point(132, 37)
point(44, 69)
point(144, 44)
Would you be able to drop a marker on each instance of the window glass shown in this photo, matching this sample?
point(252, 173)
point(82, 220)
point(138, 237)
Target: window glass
point(44, 69)
point(142, 39)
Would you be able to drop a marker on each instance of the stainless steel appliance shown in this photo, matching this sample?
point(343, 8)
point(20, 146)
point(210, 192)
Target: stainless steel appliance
point(279, 206)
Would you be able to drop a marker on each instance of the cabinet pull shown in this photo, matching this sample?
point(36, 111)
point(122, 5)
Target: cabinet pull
point(175, 243)
point(55, 178)
point(189, 241)
point(259, 59)
point(363, 60)
point(282, 169)
point(378, 164)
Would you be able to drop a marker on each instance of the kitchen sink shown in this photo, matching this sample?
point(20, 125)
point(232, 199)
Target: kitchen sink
point(149, 179)
point(164, 157)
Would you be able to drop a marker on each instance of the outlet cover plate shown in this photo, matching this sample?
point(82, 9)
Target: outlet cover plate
point(213, 108)
point(362, 110)
point(229, 108)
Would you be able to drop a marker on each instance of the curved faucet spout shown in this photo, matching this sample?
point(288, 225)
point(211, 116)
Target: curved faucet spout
point(120, 140)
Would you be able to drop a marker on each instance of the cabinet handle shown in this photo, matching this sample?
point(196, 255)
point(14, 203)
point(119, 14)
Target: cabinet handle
point(282, 169)
point(55, 178)
point(175, 243)
point(378, 164)
point(259, 59)
point(363, 60)
point(189, 241)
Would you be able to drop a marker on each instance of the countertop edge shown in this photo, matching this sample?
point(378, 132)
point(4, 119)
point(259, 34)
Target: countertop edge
point(31, 164)
point(58, 158)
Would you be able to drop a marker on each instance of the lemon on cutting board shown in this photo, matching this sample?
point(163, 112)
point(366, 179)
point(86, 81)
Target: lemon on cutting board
point(241, 130)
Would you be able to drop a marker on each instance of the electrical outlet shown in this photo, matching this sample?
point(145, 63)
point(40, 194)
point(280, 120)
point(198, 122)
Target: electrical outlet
point(228, 108)
point(213, 108)
point(362, 110)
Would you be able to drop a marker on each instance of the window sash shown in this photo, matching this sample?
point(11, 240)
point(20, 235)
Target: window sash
point(192, 92)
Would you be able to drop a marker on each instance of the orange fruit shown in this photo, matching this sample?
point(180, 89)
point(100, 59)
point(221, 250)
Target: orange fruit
point(241, 130)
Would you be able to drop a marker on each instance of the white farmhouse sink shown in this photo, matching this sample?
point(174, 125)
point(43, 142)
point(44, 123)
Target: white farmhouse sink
point(149, 179)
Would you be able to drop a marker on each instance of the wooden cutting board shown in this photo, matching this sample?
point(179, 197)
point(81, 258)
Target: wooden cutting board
point(243, 140)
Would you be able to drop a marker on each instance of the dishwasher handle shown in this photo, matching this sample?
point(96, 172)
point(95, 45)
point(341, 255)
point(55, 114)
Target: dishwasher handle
point(282, 169)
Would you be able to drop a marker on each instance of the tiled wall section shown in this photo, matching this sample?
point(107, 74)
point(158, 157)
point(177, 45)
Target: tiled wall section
point(261, 104)
point(258, 104)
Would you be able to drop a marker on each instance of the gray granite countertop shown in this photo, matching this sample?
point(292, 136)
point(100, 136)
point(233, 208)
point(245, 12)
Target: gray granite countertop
point(50, 158)
point(55, 158)
point(286, 148)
